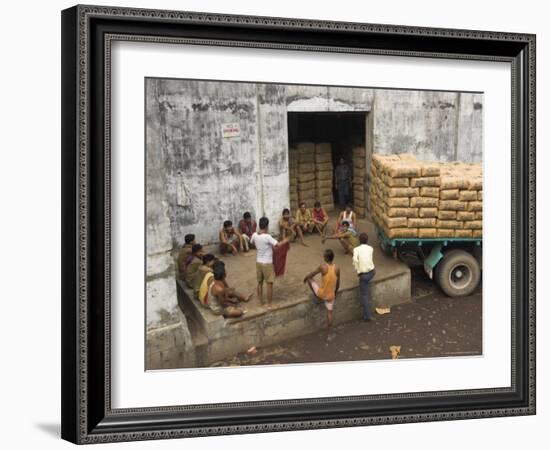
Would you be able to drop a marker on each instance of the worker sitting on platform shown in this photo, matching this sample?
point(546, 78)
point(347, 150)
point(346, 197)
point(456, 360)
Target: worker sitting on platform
point(231, 240)
point(346, 237)
point(288, 228)
point(184, 256)
point(222, 299)
point(206, 267)
point(194, 264)
point(320, 218)
point(304, 220)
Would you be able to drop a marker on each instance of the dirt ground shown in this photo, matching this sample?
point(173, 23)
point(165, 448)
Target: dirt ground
point(432, 325)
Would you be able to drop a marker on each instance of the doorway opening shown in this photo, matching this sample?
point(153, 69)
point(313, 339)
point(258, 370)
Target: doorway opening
point(343, 132)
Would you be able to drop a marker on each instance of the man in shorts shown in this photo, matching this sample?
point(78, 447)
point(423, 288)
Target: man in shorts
point(247, 227)
point(330, 283)
point(265, 271)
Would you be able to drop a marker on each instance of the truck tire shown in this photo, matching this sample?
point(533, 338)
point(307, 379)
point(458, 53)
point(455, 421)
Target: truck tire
point(458, 273)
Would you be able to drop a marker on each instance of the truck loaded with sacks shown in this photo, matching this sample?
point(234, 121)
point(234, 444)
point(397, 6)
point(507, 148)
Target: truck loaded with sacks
point(433, 210)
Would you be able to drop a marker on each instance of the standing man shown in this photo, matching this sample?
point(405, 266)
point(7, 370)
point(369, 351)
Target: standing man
point(265, 271)
point(364, 266)
point(330, 283)
point(247, 227)
point(342, 176)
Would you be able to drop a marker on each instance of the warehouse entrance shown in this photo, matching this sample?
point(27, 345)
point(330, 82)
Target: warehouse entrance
point(317, 142)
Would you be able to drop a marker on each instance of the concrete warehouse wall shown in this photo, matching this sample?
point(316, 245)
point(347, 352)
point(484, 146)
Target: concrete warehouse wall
point(196, 178)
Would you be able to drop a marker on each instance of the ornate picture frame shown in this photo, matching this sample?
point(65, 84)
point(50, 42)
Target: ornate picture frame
point(87, 35)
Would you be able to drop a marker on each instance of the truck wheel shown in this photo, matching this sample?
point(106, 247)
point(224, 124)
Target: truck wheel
point(458, 273)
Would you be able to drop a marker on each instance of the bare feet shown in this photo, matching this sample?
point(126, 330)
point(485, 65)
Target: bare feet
point(249, 297)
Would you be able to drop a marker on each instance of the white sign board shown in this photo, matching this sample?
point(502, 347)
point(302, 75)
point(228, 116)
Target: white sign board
point(231, 130)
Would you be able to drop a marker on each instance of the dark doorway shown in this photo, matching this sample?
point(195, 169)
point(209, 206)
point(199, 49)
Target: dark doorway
point(343, 130)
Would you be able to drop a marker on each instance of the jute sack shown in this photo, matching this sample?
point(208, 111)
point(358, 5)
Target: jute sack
point(422, 223)
point(306, 158)
point(305, 148)
point(449, 194)
point(323, 192)
point(358, 152)
point(404, 169)
point(430, 170)
point(395, 182)
point(293, 182)
point(324, 175)
point(427, 233)
point(407, 157)
point(465, 215)
point(309, 194)
point(453, 205)
point(323, 166)
point(429, 192)
point(446, 215)
point(475, 184)
point(463, 233)
point(359, 210)
point(467, 196)
point(445, 233)
point(425, 202)
point(359, 194)
point(478, 215)
point(360, 164)
point(322, 148)
point(427, 212)
point(394, 222)
point(475, 206)
point(453, 182)
point(378, 160)
point(425, 181)
point(473, 225)
point(402, 192)
point(322, 158)
point(307, 186)
point(306, 167)
point(358, 174)
point(402, 212)
point(326, 199)
point(393, 233)
point(477, 233)
point(480, 195)
point(448, 224)
point(293, 196)
point(398, 202)
point(304, 177)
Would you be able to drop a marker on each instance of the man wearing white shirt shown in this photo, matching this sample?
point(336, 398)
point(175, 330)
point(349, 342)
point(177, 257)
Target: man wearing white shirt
point(364, 266)
point(265, 271)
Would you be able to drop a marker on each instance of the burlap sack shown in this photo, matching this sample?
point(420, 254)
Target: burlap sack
point(293, 196)
point(359, 152)
point(448, 224)
point(306, 158)
point(409, 157)
point(480, 195)
point(478, 215)
point(452, 205)
point(359, 194)
point(475, 184)
point(463, 233)
point(359, 185)
point(394, 222)
point(323, 148)
point(305, 148)
point(307, 186)
point(467, 196)
point(322, 158)
point(446, 215)
point(445, 233)
point(382, 160)
point(359, 210)
point(465, 215)
point(358, 174)
point(477, 233)
point(359, 163)
point(422, 223)
point(427, 212)
point(402, 212)
point(398, 202)
point(324, 175)
point(404, 169)
point(306, 167)
point(293, 182)
point(424, 202)
point(396, 182)
point(306, 194)
point(473, 225)
point(325, 200)
point(323, 192)
point(305, 177)
point(475, 206)
point(430, 170)
point(393, 233)
point(427, 233)
point(425, 181)
point(429, 192)
point(449, 194)
point(323, 166)
point(402, 192)
point(453, 182)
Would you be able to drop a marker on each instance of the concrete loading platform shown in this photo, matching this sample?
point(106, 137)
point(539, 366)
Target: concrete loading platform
point(293, 312)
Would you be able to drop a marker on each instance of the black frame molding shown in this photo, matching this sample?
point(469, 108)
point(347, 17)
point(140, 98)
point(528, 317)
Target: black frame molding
point(87, 33)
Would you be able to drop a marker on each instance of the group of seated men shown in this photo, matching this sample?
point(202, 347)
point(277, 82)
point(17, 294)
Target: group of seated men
point(206, 275)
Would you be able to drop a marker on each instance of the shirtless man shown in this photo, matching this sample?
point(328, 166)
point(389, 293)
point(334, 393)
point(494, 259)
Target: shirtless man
point(289, 228)
point(231, 240)
point(346, 237)
point(330, 283)
point(219, 299)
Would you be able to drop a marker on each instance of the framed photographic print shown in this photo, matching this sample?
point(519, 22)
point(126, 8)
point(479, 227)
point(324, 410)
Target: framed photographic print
point(283, 224)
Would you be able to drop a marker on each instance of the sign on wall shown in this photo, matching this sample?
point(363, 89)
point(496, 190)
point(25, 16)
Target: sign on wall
point(231, 130)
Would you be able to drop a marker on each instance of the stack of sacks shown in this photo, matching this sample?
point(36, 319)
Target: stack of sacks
point(323, 176)
point(306, 173)
point(293, 178)
point(461, 200)
point(415, 199)
point(359, 172)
